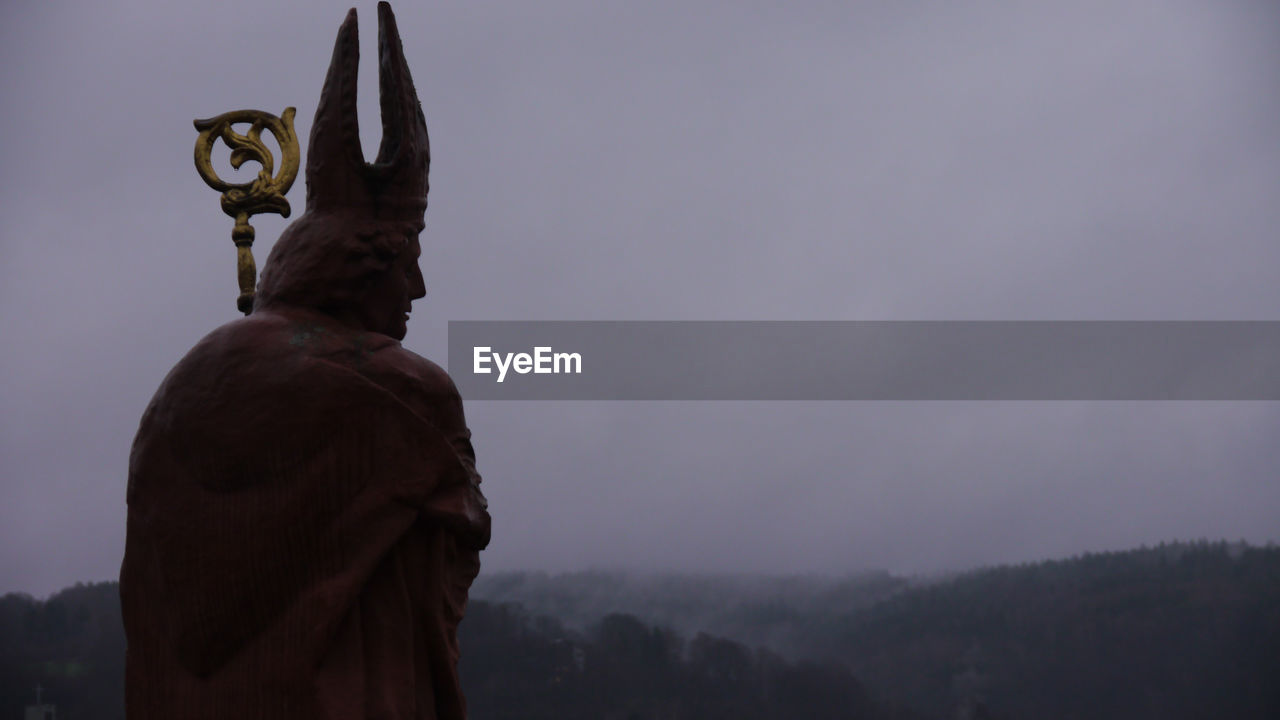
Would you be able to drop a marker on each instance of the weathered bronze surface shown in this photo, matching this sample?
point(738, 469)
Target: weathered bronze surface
point(264, 194)
point(305, 517)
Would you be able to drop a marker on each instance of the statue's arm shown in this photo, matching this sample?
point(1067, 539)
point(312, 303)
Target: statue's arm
point(457, 503)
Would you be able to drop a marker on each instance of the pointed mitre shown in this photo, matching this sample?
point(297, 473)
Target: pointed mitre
point(394, 186)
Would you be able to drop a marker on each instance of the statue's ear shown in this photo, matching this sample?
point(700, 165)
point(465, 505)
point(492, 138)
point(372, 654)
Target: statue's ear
point(387, 243)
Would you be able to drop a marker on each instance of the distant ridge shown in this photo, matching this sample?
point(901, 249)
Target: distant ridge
point(1179, 630)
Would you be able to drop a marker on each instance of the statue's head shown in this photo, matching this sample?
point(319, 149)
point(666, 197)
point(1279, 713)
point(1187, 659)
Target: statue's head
point(354, 253)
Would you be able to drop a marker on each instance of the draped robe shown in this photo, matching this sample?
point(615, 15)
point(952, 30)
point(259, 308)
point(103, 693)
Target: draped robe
point(304, 523)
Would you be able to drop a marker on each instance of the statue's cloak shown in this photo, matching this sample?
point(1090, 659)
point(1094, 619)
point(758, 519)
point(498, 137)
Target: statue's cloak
point(304, 522)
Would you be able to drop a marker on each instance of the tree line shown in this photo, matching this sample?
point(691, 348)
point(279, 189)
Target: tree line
point(1183, 630)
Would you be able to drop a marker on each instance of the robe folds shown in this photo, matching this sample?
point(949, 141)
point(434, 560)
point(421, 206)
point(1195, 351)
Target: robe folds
point(304, 524)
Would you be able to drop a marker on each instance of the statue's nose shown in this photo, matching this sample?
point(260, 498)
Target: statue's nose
point(417, 286)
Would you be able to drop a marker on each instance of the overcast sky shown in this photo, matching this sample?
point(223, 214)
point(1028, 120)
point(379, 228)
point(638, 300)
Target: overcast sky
point(682, 161)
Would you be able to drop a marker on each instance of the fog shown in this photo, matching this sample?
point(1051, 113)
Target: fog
point(673, 161)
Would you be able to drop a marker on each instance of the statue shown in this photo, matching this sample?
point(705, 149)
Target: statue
point(304, 512)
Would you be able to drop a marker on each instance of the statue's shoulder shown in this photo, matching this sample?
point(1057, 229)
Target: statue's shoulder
point(418, 382)
point(287, 358)
point(410, 368)
point(305, 338)
point(269, 346)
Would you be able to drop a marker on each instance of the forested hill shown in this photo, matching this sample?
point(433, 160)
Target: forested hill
point(1182, 630)
point(514, 667)
point(1178, 631)
point(752, 609)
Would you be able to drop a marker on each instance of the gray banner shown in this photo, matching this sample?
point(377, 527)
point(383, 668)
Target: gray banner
point(919, 360)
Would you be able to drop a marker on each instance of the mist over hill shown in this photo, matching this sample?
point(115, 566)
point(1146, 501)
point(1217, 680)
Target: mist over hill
point(1183, 630)
point(754, 609)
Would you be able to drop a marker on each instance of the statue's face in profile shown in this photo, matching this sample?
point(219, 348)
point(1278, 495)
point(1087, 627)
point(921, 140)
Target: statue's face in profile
point(387, 305)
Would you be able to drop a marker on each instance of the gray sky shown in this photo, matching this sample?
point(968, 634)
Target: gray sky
point(682, 161)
